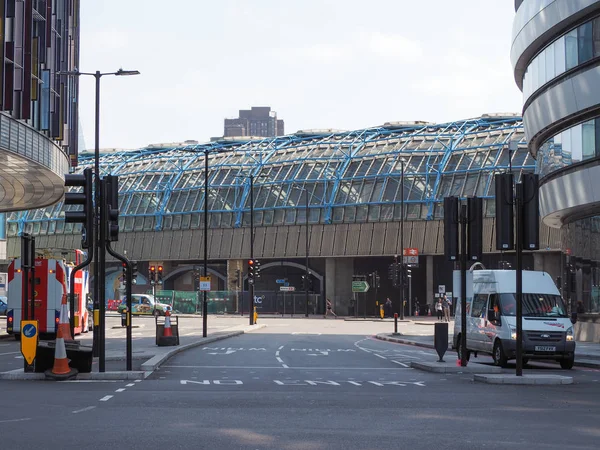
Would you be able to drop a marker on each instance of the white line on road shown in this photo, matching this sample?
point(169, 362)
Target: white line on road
point(401, 363)
point(87, 408)
point(14, 420)
point(279, 367)
point(120, 390)
point(279, 360)
point(379, 356)
point(285, 366)
point(9, 353)
point(137, 381)
point(280, 348)
point(106, 398)
point(130, 384)
point(277, 353)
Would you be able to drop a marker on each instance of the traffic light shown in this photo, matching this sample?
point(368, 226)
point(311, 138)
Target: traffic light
point(85, 198)
point(393, 273)
point(159, 275)
point(124, 272)
point(134, 272)
point(111, 191)
point(152, 274)
point(531, 212)
point(251, 271)
point(377, 280)
point(256, 269)
point(475, 228)
point(505, 239)
point(451, 220)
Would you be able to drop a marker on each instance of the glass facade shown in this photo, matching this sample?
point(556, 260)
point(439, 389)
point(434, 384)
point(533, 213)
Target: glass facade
point(568, 51)
point(573, 145)
point(350, 177)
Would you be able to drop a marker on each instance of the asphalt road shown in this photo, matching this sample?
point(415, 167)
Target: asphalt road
point(295, 385)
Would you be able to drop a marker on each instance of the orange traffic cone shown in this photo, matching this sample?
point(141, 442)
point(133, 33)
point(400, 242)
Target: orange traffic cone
point(61, 369)
point(167, 331)
point(429, 312)
point(416, 312)
point(63, 321)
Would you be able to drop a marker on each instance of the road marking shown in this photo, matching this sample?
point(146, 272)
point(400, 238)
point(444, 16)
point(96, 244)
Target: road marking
point(87, 408)
point(14, 420)
point(106, 398)
point(306, 332)
point(379, 356)
point(130, 384)
point(279, 360)
point(9, 353)
point(277, 353)
point(401, 363)
point(137, 381)
point(285, 366)
point(279, 367)
point(281, 347)
point(91, 381)
point(120, 390)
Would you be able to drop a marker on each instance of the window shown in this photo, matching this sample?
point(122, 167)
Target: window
point(571, 45)
point(479, 302)
point(585, 45)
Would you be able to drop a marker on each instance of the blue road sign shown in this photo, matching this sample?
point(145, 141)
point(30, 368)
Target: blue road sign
point(29, 330)
point(280, 280)
point(286, 284)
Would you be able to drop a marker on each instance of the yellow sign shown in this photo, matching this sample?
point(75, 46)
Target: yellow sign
point(29, 339)
point(205, 283)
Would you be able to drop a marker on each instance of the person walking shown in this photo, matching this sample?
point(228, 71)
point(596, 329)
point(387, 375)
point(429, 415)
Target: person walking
point(439, 309)
point(388, 307)
point(329, 310)
point(446, 305)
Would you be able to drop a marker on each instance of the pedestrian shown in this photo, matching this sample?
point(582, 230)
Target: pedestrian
point(446, 304)
point(439, 309)
point(388, 307)
point(329, 310)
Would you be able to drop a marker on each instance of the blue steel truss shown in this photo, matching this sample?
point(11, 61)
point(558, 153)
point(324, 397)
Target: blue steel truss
point(349, 177)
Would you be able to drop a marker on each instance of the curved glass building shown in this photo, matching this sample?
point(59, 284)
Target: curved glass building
point(556, 59)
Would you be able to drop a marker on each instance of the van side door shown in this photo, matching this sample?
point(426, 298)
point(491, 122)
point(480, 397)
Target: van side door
point(475, 322)
point(492, 326)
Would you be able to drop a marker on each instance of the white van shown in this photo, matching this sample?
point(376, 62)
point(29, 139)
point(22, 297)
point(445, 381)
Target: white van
point(491, 318)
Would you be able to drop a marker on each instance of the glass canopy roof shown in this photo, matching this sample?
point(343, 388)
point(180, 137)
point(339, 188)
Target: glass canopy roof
point(349, 177)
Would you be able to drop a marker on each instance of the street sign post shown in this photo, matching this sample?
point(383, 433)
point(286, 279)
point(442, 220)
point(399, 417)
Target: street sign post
point(205, 283)
point(280, 280)
point(360, 286)
point(287, 288)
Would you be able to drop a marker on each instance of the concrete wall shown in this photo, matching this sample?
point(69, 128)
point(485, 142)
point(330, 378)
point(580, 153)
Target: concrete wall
point(338, 283)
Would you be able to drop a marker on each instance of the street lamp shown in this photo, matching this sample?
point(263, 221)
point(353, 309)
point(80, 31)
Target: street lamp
point(402, 239)
point(99, 234)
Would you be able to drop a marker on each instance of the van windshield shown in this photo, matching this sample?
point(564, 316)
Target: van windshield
point(534, 305)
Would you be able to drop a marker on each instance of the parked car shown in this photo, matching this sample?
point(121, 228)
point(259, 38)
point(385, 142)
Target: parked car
point(144, 304)
point(3, 306)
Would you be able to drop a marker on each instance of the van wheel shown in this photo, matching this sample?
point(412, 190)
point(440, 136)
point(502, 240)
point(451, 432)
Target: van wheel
point(459, 350)
point(567, 364)
point(500, 358)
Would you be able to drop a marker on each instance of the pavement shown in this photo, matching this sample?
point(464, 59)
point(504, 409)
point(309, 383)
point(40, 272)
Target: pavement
point(421, 334)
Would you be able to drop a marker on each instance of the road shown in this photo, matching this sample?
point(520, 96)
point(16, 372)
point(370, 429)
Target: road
point(304, 385)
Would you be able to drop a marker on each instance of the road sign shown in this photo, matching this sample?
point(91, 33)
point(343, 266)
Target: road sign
point(449, 294)
point(442, 288)
point(29, 339)
point(205, 283)
point(412, 260)
point(360, 286)
point(287, 288)
point(280, 280)
point(410, 252)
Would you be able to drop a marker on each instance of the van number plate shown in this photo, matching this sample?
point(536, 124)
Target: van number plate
point(544, 348)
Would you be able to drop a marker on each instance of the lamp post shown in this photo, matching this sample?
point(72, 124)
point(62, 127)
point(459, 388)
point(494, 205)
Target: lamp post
point(204, 302)
point(99, 242)
point(402, 239)
point(306, 262)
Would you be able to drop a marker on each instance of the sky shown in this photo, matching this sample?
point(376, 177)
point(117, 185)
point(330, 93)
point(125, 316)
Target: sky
point(341, 64)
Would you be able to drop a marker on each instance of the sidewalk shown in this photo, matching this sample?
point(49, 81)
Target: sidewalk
point(421, 334)
point(146, 358)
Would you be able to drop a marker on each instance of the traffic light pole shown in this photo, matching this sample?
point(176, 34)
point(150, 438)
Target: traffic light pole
point(464, 220)
point(101, 280)
point(251, 312)
point(306, 263)
point(402, 241)
point(204, 301)
point(72, 289)
point(128, 284)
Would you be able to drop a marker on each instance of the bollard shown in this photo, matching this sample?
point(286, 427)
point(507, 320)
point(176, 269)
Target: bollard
point(255, 315)
point(396, 324)
point(124, 318)
point(381, 311)
point(441, 339)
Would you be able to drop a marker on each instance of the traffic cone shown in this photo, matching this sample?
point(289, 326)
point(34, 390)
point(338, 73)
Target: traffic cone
point(61, 369)
point(167, 330)
point(63, 321)
point(429, 312)
point(416, 312)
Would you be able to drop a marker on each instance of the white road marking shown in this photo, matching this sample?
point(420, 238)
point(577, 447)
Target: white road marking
point(130, 384)
point(306, 332)
point(277, 353)
point(279, 367)
point(91, 381)
point(137, 381)
point(120, 390)
point(281, 347)
point(9, 353)
point(106, 398)
point(279, 360)
point(285, 366)
point(401, 363)
point(14, 420)
point(379, 356)
point(87, 408)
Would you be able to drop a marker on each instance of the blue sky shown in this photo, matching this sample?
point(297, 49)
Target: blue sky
point(344, 64)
